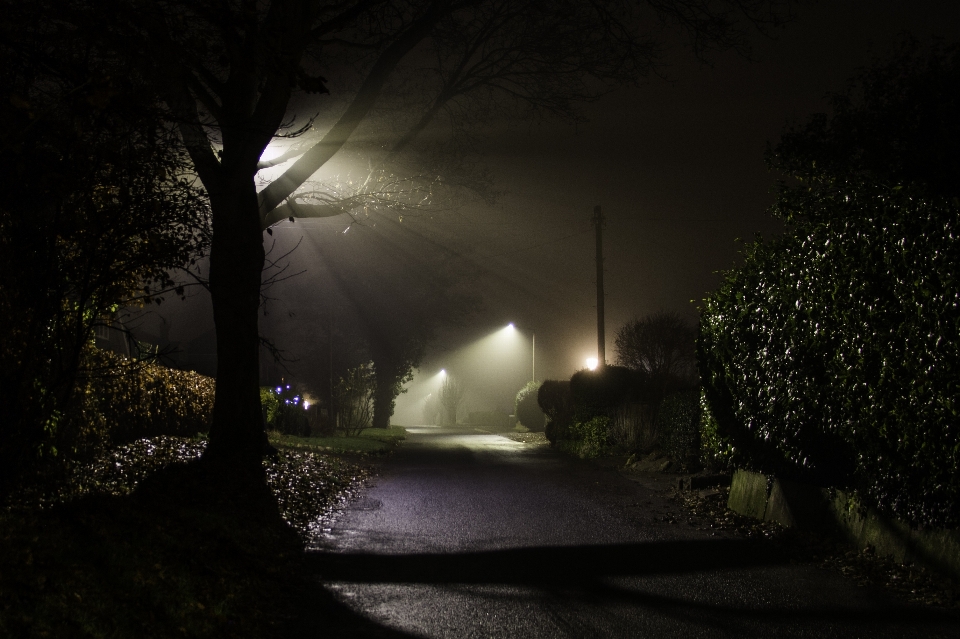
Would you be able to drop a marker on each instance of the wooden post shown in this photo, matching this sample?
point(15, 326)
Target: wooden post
point(601, 338)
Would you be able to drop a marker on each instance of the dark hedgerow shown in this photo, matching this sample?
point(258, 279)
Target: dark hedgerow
point(556, 403)
point(600, 392)
point(833, 354)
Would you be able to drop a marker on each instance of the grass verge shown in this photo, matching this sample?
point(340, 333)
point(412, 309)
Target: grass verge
point(371, 441)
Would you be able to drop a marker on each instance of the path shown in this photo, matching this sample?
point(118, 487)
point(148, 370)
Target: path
point(467, 534)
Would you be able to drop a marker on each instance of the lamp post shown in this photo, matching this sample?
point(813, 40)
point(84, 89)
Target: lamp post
point(533, 351)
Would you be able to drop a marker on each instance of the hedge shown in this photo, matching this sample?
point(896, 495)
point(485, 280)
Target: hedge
point(833, 356)
point(120, 400)
point(527, 409)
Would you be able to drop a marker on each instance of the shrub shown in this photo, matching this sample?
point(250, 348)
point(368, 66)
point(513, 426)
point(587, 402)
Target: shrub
point(527, 409)
point(268, 404)
point(831, 355)
point(600, 392)
point(555, 401)
point(715, 449)
point(283, 411)
point(119, 400)
point(587, 438)
point(354, 397)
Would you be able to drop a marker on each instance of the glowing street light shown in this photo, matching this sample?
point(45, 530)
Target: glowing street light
point(592, 363)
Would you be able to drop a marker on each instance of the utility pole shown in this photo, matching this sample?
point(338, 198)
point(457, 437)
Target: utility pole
point(533, 357)
point(601, 338)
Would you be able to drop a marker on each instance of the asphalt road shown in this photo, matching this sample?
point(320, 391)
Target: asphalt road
point(468, 534)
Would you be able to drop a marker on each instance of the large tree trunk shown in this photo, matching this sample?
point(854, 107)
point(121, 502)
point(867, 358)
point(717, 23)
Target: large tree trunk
point(237, 434)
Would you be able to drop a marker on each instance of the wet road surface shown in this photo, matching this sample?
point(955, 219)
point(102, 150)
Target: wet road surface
point(469, 534)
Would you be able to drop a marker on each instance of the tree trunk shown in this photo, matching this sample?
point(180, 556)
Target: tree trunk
point(237, 435)
point(384, 395)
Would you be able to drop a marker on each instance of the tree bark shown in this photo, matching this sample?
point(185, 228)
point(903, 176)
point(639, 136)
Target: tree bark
point(237, 434)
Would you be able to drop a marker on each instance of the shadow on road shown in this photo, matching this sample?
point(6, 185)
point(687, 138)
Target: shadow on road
point(567, 574)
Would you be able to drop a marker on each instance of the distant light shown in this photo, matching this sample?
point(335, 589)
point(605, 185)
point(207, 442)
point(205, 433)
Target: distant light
point(511, 326)
point(443, 372)
point(288, 386)
point(592, 363)
point(306, 404)
point(278, 389)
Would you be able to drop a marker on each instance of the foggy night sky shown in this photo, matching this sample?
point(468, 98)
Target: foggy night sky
point(676, 164)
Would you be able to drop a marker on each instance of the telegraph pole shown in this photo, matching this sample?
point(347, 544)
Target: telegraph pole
point(601, 338)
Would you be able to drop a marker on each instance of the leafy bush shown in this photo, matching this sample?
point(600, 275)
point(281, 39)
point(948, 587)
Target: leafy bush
point(120, 400)
point(268, 404)
point(715, 449)
point(832, 355)
point(527, 409)
point(587, 438)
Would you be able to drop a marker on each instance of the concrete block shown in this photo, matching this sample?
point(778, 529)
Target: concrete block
point(811, 508)
point(748, 494)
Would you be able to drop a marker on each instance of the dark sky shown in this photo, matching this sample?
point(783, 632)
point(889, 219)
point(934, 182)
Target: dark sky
point(676, 164)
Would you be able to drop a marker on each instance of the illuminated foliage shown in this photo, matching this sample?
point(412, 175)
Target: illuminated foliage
point(832, 354)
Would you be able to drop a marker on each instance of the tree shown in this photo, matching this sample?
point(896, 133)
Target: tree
point(397, 292)
point(661, 346)
point(894, 127)
point(229, 73)
point(451, 397)
point(355, 395)
point(101, 212)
